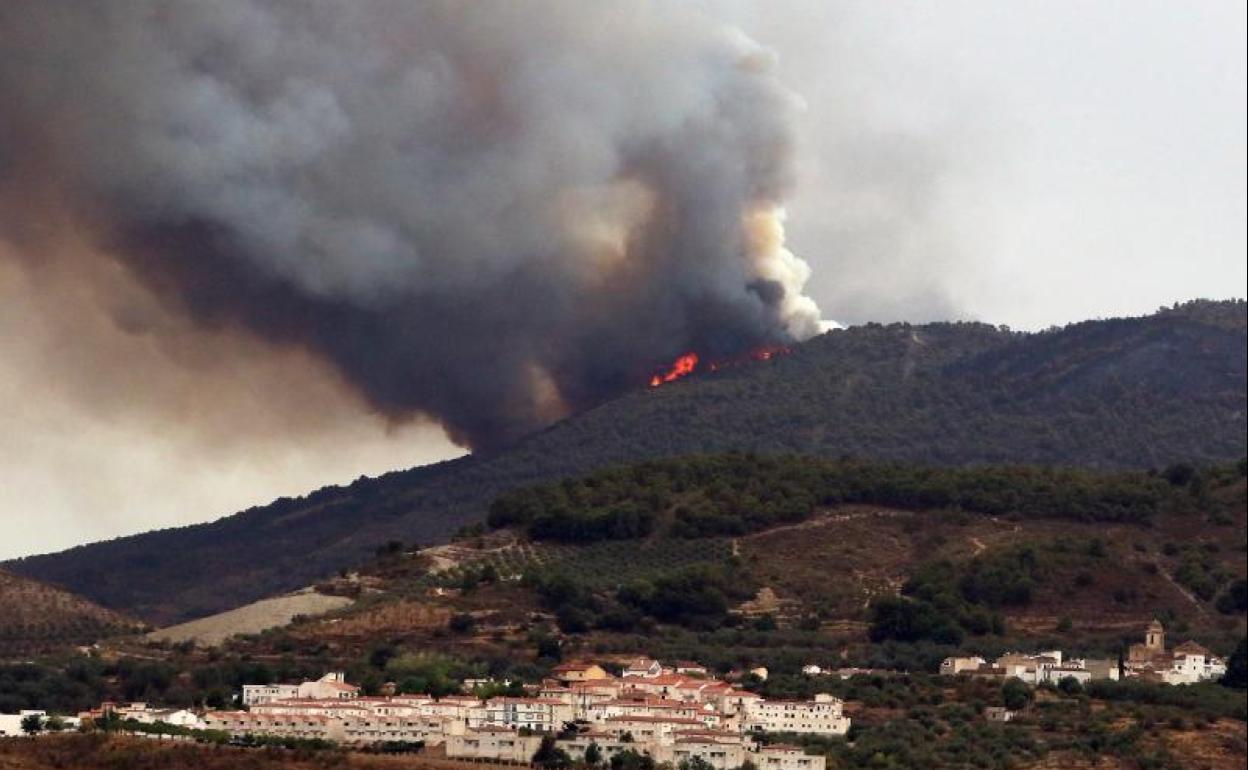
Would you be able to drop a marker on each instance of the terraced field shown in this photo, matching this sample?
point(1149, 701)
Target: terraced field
point(35, 618)
point(598, 565)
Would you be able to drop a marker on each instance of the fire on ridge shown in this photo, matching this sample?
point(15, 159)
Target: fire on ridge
point(690, 363)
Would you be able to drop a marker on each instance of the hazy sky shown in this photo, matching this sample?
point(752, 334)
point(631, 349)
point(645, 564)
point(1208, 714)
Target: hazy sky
point(1023, 163)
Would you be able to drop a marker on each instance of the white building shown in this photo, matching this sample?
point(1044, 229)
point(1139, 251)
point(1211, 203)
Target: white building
point(822, 716)
point(608, 745)
point(175, 717)
point(723, 751)
point(254, 694)
point(1055, 674)
point(308, 726)
point(1192, 663)
point(954, 666)
point(538, 714)
point(493, 743)
point(330, 686)
point(1187, 663)
point(11, 724)
point(1032, 669)
point(784, 757)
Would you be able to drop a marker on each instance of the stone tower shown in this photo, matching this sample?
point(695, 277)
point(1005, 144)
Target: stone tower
point(1155, 636)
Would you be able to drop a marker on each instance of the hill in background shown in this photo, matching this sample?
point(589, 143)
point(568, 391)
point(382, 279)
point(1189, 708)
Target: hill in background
point(37, 618)
point(1138, 392)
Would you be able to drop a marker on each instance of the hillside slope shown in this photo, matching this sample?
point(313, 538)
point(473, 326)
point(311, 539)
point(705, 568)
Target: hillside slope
point(36, 618)
point(1134, 392)
point(794, 556)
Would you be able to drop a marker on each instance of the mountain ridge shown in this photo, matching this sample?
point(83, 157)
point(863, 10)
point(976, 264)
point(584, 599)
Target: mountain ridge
point(1119, 393)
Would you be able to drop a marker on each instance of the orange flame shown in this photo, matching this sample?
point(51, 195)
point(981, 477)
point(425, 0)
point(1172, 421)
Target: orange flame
point(768, 352)
point(680, 367)
point(688, 363)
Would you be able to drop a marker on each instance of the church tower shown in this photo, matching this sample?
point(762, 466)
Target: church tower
point(1155, 637)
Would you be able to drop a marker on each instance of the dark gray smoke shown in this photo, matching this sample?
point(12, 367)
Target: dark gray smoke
point(491, 213)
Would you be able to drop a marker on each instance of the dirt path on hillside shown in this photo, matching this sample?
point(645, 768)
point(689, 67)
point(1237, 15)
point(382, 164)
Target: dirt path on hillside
point(823, 521)
point(1200, 607)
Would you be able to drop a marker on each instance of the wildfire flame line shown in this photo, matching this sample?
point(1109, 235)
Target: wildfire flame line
point(688, 363)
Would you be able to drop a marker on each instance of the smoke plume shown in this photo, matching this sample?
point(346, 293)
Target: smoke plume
point(487, 213)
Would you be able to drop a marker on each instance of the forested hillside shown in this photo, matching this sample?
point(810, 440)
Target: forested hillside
point(1123, 393)
point(735, 560)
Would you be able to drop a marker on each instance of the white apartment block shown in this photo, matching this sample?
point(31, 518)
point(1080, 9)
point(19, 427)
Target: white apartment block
point(783, 757)
point(652, 707)
point(307, 726)
point(493, 743)
point(822, 716)
point(255, 694)
point(723, 751)
point(432, 731)
point(537, 714)
point(608, 744)
point(645, 729)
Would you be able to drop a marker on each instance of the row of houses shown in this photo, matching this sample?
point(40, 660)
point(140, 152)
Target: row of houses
point(649, 709)
point(144, 713)
point(13, 724)
point(1049, 667)
point(1187, 663)
point(720, 749)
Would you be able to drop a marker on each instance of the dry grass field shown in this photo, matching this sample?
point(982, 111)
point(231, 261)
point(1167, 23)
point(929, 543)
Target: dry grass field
point(250, 618)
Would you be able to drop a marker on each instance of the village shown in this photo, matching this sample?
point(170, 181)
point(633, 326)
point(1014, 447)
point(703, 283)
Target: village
point(675, 714)
point(1148, 661)
point(679, 714)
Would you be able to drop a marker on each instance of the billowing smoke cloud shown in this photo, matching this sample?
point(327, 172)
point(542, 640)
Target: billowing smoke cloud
point(490, 213)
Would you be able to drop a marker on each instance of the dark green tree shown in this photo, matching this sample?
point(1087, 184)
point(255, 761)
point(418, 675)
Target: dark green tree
point(632, 760)
point(695, 763)
point(550, 756)
point(1070, 685)
point(1237, 667)
point(1015, 694)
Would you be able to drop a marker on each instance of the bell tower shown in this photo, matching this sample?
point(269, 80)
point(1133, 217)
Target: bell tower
point(1155, 637)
